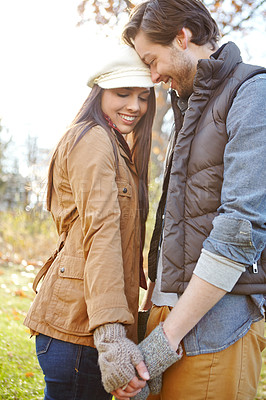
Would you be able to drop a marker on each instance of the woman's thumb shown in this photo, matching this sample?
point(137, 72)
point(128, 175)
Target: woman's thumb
point(142, 371)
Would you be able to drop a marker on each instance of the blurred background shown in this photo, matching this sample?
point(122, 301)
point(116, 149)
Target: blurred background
point(47, 48)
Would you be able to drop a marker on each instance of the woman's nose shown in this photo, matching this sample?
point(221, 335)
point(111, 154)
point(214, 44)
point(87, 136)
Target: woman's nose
point(133, 104)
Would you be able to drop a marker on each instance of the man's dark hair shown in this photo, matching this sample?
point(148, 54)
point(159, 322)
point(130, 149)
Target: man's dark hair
point(162, 20)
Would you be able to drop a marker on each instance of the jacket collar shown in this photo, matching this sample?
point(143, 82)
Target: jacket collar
point(124, 154)
point(123, 145)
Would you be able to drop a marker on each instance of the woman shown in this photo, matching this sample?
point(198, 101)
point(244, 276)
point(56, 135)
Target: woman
point(98, 197)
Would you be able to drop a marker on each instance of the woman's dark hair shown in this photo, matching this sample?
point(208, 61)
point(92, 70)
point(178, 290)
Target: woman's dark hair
point(91, 115)
point(162, 20)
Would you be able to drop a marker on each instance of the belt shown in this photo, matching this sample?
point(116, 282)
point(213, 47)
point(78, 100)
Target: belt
point(49, 262)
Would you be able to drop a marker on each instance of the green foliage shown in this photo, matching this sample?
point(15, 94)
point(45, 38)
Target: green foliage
point(31, 234)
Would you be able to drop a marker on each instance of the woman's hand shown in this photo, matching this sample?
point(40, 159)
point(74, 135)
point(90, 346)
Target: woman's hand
point(135, 385)
point(119, 359)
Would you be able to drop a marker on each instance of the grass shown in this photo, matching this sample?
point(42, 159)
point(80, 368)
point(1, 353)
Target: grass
point(20, 375)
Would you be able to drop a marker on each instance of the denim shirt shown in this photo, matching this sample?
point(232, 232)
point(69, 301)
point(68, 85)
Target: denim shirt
point(243, 196)
point(241, 205)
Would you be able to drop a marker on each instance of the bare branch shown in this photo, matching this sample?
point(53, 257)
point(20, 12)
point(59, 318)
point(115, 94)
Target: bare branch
point(227, 20)
point(239, 25)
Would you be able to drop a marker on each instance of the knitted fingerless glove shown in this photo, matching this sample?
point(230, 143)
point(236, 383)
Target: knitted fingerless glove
point(153, 386)
point(158, 356)
point(157, 352)
point(118, 356)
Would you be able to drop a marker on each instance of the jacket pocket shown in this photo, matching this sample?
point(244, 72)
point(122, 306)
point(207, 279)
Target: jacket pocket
point(67, 310)
point(125, 201)
point(124, 189)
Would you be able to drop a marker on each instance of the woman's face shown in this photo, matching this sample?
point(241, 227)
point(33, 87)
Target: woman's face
point(125, 106)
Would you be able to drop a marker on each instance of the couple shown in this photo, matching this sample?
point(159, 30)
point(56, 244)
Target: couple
point(206, 260)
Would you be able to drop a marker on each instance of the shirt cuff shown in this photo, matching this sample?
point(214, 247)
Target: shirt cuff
point(217, 270)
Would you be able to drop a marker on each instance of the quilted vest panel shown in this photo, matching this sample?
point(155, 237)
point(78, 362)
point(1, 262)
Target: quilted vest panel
point(196, 178)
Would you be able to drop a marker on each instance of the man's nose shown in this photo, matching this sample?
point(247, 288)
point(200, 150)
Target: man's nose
point(155, 77)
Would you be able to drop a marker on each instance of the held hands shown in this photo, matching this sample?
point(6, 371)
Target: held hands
point(135, 386)
point(118, 358)
point(153, 386)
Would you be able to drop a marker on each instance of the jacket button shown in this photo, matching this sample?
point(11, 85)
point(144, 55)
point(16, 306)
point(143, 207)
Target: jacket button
point(125, 190)
point(62, 270)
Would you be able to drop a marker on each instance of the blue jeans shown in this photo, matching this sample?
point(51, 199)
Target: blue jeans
point(71, 371)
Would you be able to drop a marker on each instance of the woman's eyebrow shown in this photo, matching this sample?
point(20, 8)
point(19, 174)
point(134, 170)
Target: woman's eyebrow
point(131, 88)
point(146, 91)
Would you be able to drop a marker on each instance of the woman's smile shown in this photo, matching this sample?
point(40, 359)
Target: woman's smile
point(127, 118)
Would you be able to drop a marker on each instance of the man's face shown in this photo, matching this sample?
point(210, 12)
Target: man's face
point(169, 64)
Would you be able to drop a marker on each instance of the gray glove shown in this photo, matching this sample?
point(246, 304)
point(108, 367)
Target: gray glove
point(153, 386)
point(158, 356)
point(117, 356)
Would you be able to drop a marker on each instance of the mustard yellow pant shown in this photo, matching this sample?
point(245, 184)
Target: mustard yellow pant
point(231, 374)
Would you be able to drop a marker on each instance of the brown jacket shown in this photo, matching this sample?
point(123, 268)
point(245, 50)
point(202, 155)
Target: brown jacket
point(95, 277)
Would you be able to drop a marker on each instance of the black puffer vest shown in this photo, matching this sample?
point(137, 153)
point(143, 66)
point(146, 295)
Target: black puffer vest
point(194, 177)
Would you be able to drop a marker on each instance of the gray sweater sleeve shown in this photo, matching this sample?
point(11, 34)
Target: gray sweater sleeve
point(217, 270)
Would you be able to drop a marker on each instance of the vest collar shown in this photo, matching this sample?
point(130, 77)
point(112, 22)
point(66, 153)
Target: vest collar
point(213, 71)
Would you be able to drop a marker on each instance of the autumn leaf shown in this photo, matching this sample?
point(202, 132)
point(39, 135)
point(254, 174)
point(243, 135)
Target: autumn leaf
point(20, 293)
point(29, 374)
point(156, 150)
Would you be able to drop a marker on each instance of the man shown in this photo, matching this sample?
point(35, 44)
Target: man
point(207, 252)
